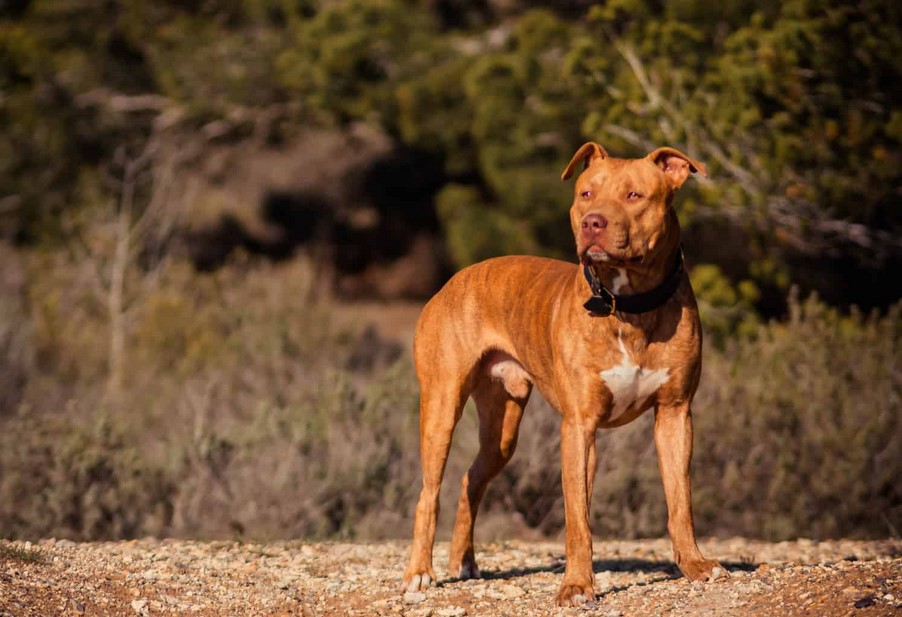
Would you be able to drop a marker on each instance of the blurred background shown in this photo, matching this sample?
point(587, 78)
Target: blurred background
point(219, 219)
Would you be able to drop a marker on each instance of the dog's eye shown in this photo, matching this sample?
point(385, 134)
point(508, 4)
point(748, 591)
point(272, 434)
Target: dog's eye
point(633, 196)
point(586, 194)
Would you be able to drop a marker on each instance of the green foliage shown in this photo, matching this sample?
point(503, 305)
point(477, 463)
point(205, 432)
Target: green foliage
point(344, 61)
point(801, 137)
point(726, 310)
point(230, 69)
point(476, 230)
point(512, 121)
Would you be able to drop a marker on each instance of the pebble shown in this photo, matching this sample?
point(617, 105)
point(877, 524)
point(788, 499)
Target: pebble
point(76, 606)
point(505, 592)
point(174, 577)
point(414, 597)
point(140, 607)
point(717, 573)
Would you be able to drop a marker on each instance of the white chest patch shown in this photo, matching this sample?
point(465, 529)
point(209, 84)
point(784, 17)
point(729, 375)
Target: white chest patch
point(620, 281)
point(631, 384)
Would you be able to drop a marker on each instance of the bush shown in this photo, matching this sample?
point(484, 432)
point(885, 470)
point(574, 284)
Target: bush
point(61, 478)
point(800, 430)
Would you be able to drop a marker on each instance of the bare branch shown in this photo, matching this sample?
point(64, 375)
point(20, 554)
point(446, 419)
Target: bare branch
point(630, 137)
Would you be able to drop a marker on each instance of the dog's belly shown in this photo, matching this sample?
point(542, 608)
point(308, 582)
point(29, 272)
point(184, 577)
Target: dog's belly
point(631, 386)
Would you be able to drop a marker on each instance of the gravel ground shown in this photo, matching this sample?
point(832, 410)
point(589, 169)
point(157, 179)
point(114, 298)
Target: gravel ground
point(168, 577)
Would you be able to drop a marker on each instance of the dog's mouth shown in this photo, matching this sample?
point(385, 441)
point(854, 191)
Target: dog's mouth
point(594, 254)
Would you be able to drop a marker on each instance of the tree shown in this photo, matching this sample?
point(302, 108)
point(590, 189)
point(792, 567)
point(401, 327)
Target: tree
point(126, 243)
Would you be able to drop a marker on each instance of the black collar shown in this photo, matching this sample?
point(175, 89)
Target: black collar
point(604, 302)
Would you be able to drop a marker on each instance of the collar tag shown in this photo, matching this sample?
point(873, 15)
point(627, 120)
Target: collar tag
point(603, 304)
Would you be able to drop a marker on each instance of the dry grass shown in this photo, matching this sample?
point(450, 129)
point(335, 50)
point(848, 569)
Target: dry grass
point(254, 408)
point(16, 552)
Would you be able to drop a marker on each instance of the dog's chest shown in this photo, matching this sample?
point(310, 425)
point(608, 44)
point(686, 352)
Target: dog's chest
point(630, 383)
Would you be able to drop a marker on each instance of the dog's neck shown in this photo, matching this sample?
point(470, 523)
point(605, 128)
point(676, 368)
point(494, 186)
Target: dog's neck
point(635, 280)
point(604, 301)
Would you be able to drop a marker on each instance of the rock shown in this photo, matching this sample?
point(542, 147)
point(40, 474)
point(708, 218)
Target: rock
point(511, 591)
point(140, 607)
point(452, 611)
point(503, 592)
point(76, 606)
point(613, 613)
point(851, 592)
point(717, 573)
point(414, 597)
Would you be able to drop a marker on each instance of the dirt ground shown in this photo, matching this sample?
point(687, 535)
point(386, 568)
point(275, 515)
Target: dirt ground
point(169, 577)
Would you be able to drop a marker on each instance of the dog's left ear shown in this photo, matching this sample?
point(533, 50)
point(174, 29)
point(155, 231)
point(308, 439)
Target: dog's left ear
point(676, 165)
point(589, 152)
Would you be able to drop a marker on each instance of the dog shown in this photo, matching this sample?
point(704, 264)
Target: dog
point(603, 341)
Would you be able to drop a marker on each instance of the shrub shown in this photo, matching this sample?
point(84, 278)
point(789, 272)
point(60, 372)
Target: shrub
point(800, 430)
point(61, 478)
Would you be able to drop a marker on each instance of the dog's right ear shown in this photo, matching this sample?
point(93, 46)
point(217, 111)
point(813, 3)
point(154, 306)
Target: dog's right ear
point(588, 153)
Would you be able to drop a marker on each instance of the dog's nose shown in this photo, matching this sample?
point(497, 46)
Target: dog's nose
point(594, 222)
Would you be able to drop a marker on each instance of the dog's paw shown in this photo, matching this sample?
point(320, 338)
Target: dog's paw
point(575, 595)
point(704, 570)
point(414, 583)
point(468, 569)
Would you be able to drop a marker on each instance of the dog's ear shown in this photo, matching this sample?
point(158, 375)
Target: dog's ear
point(676, 165)
point(587, 153)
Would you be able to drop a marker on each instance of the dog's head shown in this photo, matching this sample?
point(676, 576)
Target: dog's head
point(621, 214)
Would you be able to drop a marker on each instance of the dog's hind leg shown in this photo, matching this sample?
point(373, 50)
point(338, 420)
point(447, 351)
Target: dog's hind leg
point(500, 412)
point(441, 404)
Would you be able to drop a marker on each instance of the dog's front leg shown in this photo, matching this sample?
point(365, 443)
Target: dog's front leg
point(673, 439)
point(577, 456)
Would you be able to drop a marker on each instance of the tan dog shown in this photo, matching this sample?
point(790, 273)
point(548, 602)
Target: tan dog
point(502, 325)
